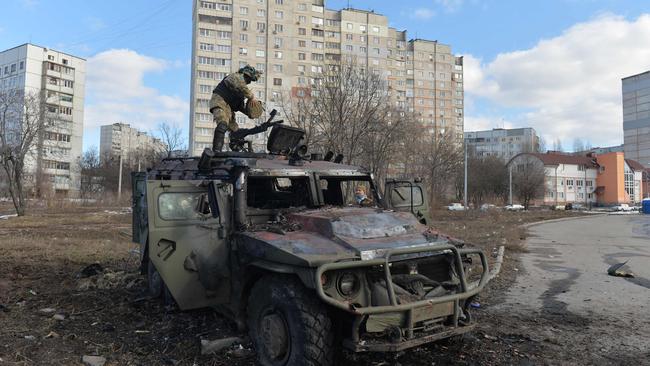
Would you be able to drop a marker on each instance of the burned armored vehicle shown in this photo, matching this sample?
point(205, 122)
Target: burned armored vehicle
point(278, 242)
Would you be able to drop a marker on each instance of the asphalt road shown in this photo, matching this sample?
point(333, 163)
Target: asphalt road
point(564, 300)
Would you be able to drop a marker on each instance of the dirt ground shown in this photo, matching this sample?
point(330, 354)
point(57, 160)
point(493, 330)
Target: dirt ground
point(50, 313)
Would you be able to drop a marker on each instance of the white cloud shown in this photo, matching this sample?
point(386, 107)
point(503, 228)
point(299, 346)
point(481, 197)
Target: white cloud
point(450, 6)
point(117, 92)
point(423, 13)
point(570, 85)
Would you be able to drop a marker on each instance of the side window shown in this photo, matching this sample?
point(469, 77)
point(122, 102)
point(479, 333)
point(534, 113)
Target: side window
point(179, 206)
point(401, 196)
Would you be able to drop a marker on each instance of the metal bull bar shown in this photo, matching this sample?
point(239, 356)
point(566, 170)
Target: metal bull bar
point(395, 307)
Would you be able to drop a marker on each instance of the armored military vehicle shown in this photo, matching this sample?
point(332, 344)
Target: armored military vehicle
point(277, 242)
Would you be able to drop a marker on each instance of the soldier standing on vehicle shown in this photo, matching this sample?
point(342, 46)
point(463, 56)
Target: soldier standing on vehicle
point(230, 96)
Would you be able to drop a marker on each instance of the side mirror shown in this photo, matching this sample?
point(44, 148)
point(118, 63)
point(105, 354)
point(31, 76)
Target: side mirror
point(203, 205)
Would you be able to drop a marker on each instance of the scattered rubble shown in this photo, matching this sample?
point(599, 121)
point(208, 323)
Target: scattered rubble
point(109, 280)
point(58, 317)
point(209, 347)
point(616, 271)
point(47, 310)
point(93, 360)
point(91, 270)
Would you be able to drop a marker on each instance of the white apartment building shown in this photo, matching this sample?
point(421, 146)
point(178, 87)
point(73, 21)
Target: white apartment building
point(501, 142)
point(61, 78)
point(292, 41)
point(120, 139)
point(636, 117)
point(569, 178)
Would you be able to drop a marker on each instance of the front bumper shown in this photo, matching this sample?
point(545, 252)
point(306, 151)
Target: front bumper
point(409, 311)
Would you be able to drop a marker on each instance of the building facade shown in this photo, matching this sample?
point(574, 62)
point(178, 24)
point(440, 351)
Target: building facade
point(605, 180)
point(60, 79)
point(120, 139)
point(293, 41)
point(502, 143)
point(636, 117)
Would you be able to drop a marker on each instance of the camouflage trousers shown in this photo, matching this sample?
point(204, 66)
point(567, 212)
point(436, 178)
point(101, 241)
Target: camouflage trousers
point(222, 113)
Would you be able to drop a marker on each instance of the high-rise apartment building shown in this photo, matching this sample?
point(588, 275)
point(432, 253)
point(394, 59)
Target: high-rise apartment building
point(60, 79)
point(292, 41)
point(636, 117)
point(120, 139)
point(502, 143)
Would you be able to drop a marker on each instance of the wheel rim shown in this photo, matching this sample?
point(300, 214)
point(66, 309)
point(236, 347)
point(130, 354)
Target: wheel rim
point(275, 336)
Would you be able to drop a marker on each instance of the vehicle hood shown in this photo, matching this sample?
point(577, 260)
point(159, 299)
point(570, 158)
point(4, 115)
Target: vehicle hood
point(330, 235)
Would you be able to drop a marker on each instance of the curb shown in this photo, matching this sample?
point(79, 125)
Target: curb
point(531, 224)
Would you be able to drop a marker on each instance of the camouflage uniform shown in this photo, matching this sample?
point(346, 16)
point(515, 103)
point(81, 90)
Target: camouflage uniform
point(230, 96)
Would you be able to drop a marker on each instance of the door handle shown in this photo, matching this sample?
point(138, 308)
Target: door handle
point(167, 245)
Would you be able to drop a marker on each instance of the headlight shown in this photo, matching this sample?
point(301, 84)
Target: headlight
point(348, 284)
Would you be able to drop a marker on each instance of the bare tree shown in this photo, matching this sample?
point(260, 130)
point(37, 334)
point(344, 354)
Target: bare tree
point(557, 145)
point(23, 121)
point(487, 179)
point(347, 110)
point(528, 178)
point(437, 157)
point(578, 145)
point(172, 137)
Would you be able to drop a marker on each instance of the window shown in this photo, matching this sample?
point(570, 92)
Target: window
point(375, 29)
point(259, 53)
point(203, 117)
point(317, 69)
point(363, 49)
point(569, 182)
point(278, 193)
point(301, 68)
point(349, 37)
point(179, 206)
point(224, 34)
point(243, 10)
point(206, 32)
point(317, 21)
point(277, 81)
point(318, 45)
point(317, 32)
point(278, 54)
point(302, 31)
point(68, 83)
point(279, 2)
point(261, 12)
point(208, 5)
point(301, 56)
point(589, 183)
point(333, 22)
point(279, 14)
point(277, 68)
point(22, 65)
point(261, 26)
point(206, 47)
point(375, 51)
point(260, 39)
point(243, 24)
point(350, 26)
point(243, 51)
point(581, 168)
point(302, 19)
point(277, 42)
point(302, 7)
point(224, 7)
point(404, 196)
point(302, 43)
point(223, 48)
point(362, 28)
point(317, 57)
point(363, 39)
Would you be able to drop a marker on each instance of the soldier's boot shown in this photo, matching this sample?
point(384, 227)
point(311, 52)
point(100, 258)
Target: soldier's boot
point(219, 136)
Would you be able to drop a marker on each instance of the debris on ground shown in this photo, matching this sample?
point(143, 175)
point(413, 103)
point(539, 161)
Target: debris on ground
point(93, 360)
point(6, 217)
point(615, 270)
point(52, 334)
point(209, 347)
point(242, 352)
point(58, 317)
point(47, 310)
point(4, 308)
point(109, 280)
point(91, 270)
point(30, 337)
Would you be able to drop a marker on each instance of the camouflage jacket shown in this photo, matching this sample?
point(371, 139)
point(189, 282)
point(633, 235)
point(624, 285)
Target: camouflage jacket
point(232, 90)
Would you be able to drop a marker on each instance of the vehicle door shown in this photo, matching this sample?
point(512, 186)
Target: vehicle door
point(409, 197)
point(188, 240)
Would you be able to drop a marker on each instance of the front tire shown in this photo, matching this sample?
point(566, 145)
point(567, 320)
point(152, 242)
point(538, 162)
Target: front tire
point(288, 325)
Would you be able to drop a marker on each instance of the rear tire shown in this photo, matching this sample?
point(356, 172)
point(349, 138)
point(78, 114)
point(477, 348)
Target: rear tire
point(288, 325)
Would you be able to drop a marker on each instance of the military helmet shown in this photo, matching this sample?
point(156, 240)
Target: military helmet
point(250, 71)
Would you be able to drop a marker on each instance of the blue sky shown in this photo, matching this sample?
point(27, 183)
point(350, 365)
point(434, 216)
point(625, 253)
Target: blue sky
point(554, 65)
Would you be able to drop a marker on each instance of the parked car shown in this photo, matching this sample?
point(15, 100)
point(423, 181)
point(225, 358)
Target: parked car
point(456, 207)
point(515, 207)
point(487, 207)
point(624, 207)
